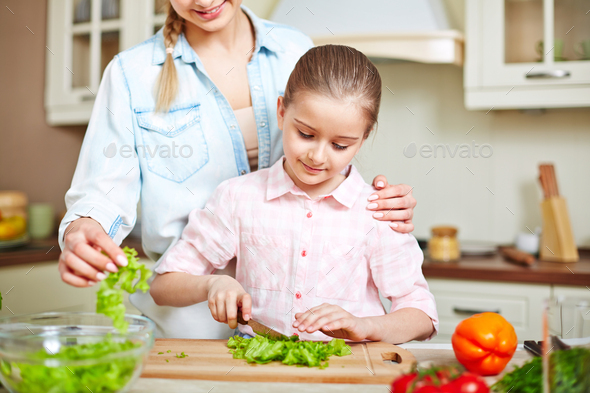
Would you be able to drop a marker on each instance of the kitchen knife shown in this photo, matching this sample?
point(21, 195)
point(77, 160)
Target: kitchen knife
point(258, 328)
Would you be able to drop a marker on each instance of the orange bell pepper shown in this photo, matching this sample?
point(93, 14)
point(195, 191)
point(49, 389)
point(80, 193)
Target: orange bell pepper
point(484, 343)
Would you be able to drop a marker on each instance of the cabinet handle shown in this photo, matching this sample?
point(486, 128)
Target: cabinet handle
point(470, 311)
point(548, 74)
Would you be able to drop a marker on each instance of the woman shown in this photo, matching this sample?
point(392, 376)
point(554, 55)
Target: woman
point(174, 117)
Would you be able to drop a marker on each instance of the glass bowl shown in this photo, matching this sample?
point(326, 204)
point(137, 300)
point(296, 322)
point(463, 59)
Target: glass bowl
point(72, 352)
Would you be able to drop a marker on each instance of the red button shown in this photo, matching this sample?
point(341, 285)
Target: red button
point(303, 253)
point(298, 295)
point(309, 215)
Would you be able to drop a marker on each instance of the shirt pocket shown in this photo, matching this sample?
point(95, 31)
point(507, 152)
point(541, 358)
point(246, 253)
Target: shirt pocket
point(341, 272)
point(265, 260)
point(174, 145)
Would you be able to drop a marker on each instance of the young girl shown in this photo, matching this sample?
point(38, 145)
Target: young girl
point(310, 257)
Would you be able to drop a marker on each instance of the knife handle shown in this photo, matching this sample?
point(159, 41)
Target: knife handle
point(241, 320)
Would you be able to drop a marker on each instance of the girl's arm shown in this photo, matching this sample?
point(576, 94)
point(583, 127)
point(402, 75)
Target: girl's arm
point(400, 326)
point(180, 289)
point(208, 242)
point(223, 293)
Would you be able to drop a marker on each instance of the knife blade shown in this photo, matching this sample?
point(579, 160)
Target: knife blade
point(258, 328)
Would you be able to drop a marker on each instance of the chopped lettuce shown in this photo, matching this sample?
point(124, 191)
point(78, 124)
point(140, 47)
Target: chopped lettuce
point(102, 377)
point(109, 299)
point(289, 350)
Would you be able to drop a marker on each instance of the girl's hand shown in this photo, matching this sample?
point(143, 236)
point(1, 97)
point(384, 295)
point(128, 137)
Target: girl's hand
point(81, 263)
point(225, 295)
point(333, 321)
point(393, 203)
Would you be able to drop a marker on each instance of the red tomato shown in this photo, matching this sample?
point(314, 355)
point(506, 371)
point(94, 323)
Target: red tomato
point(468, 383)
point(401, 384)
point(427, 389)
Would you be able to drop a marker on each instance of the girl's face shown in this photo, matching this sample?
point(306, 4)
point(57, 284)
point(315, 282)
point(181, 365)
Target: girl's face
point(321, 135)
point(209, 15)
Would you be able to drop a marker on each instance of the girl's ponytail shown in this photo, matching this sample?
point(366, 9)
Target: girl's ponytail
point(167, 84)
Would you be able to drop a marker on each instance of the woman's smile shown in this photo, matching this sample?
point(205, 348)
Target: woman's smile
point(211, 13)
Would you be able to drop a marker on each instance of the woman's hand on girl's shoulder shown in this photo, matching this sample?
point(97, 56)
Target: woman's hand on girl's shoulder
point(393, 203)
point(81, 262)
point(333, 321)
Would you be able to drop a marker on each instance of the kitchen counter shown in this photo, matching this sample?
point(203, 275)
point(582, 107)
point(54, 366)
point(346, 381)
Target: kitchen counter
point(495, 268)
point(48, 250)
point(425, 353)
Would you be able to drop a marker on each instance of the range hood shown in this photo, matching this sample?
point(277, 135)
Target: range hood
point(411, 30)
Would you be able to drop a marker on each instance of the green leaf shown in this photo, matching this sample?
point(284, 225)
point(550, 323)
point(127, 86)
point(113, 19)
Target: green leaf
point(101, 377)
point(569, 374)
point(109, 299)
point(289, 350)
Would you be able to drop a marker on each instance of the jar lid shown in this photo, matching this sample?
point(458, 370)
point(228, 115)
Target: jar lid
point(444, 231)
point(13, 199)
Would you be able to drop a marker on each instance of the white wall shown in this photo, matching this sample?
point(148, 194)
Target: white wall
point(450, 193)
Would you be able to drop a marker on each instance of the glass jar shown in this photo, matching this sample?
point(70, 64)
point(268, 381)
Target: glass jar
point(13, 215)
point(443, 246)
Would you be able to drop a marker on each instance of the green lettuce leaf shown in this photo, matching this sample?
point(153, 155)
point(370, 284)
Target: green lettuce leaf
point(102, 377)
point(109, 298)
point(289, 350)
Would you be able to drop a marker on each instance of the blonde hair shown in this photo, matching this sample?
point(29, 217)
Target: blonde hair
point(167, 84)
point(340, 72)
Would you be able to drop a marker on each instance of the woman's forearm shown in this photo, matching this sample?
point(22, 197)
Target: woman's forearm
point(400, 326)
point(180, 289)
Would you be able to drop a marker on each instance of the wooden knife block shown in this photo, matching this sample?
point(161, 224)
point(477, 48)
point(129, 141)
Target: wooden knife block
point(557, 240)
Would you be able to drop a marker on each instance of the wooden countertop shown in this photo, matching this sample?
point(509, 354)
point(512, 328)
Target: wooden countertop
point(493, 268)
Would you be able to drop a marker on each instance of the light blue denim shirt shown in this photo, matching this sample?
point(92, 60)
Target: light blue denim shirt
point(174, 161)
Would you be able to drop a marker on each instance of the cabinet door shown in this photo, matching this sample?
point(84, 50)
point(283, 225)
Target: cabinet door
point(535, 43)
point(83, 37)
point(35, 288)
point(520, 304)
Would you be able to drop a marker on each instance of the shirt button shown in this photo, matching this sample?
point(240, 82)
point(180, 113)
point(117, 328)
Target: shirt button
point(232, 127)
point(243, 172)
point(298, 295)
point(309, 215)
point(303, 253)
point(256, 87)
point(262, 124)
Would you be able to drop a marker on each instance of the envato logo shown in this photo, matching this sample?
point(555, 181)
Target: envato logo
point(463, 150)
point(163, 151)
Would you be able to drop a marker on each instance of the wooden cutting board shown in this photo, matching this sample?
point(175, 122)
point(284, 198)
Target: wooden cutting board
point(210, 360)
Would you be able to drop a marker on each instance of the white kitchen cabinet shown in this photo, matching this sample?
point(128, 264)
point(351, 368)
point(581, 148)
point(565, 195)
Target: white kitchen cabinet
point(37, 287)
point(520, 304)
point(527, 54)
point(82, 38)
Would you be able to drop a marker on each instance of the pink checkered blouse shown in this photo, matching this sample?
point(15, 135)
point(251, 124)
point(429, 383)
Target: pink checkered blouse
point(294, 253)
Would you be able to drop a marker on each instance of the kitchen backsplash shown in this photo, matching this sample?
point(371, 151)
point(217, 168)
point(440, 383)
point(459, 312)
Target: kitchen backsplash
point(473, 169)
